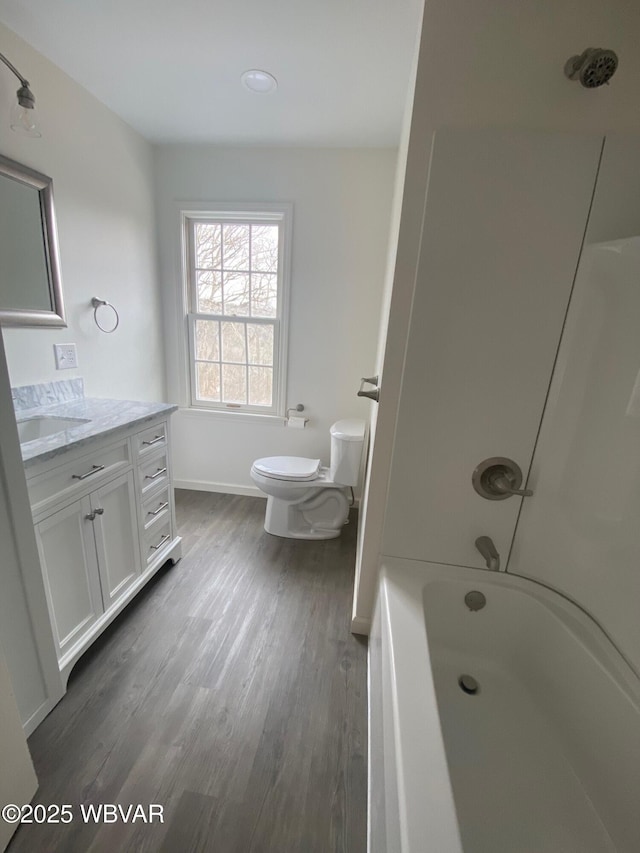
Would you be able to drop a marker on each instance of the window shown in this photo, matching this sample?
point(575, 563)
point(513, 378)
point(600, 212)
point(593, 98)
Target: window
point(236, 287)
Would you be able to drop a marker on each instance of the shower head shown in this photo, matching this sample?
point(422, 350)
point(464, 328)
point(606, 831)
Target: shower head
point(594, 67)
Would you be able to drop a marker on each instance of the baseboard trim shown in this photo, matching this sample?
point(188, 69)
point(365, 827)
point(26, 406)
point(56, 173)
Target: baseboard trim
point(38, 716)
point(360, 626)
point(224, 488)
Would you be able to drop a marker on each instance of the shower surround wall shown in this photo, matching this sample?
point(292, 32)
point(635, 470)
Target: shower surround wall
point(487, 316)
point(488, 322)
point(581, 535)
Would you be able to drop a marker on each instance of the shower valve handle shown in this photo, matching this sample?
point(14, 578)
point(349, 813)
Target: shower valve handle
point(497, 478)
point(501, 483)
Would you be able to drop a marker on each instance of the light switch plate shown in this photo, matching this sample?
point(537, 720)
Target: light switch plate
point(66, 356)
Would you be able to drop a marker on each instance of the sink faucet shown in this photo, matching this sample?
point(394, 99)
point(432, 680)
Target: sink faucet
point(485, 545)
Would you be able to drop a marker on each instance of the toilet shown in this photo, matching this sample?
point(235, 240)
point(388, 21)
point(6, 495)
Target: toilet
point(304, 499)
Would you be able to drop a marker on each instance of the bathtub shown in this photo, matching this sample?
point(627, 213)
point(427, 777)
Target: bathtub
point(543, 758)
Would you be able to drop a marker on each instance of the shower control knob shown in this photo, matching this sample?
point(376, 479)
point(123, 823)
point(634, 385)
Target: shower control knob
point(498, 478)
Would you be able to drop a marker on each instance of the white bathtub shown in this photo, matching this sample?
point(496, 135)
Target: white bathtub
point(544, 758)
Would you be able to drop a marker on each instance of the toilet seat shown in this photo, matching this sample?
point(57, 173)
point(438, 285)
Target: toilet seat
point(291, 468)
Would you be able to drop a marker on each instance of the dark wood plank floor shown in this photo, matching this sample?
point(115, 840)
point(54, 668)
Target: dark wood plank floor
point(230, 691)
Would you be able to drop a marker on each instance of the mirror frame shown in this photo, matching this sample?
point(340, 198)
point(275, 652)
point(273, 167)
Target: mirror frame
point(44, 185)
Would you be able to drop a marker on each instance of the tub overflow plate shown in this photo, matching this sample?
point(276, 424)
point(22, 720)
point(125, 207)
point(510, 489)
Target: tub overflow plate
point(468, 684)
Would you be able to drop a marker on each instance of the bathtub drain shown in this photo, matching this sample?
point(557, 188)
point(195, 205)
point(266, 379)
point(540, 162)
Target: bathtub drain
point(468, 684)
point(475, 600)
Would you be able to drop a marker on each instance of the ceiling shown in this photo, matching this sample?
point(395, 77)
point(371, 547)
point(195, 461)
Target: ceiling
point(172, 69)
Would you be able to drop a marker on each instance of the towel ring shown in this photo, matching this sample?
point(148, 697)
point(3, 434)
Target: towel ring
point(100, 303)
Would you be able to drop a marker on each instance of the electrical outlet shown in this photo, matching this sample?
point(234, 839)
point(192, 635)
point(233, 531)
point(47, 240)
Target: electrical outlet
point(66, 356)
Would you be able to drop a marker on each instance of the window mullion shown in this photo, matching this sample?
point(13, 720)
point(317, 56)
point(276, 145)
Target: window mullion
point(192, 265)
point(250, 269)
point(246, 361)
point(220, 354)
point(222, 270)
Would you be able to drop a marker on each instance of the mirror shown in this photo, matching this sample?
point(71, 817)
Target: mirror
point(30, 283)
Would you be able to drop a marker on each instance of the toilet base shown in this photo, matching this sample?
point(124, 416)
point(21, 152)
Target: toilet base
point(321, 516)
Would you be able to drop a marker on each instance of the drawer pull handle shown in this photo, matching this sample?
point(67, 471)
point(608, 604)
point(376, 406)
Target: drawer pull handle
point(162, 542)
point(94, 470)
point(159, 510)
point(158, 473)
point(154, 440)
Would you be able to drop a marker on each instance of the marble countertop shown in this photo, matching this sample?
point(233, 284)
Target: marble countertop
point(104, 418)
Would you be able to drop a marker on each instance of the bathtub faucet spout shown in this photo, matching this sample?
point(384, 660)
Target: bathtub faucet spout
point(485, 545)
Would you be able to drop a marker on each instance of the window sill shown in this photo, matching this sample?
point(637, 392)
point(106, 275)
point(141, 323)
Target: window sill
point(245, 417)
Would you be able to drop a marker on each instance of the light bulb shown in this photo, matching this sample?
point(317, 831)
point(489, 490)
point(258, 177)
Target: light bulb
point(23, 121)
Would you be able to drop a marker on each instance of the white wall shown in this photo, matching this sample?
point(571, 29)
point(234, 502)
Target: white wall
point(102, 174)
point(341, 212)
point(490, 63)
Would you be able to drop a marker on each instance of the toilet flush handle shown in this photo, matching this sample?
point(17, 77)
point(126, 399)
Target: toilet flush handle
point(372, 395)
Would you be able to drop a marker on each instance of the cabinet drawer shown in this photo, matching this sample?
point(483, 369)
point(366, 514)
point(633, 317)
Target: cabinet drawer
point(150, 439)
point(78, 476)
point(156, 540)
point(153, 474)
point(156, 508)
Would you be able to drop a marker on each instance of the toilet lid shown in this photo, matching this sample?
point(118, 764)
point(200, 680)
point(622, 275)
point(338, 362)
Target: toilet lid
point(288, 467)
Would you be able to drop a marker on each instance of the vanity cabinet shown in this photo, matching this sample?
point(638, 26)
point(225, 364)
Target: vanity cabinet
point(104, 523)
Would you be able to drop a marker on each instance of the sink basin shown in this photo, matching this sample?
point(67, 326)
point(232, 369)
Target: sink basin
point(31, 429)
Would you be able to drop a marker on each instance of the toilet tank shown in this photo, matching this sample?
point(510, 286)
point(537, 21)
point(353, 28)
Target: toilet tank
point(347, 438)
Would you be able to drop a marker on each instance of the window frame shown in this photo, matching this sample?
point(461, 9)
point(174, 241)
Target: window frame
point(268, 214)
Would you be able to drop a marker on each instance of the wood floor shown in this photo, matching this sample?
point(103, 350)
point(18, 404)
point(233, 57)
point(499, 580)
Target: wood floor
point(230, 691)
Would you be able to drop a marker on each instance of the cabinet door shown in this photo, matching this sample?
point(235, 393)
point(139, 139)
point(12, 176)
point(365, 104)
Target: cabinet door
point(69, 563)
point(116, 532)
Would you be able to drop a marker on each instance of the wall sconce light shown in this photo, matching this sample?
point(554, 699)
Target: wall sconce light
point(23, 119)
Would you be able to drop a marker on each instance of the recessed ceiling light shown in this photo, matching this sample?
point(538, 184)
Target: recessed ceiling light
point(259, 81)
